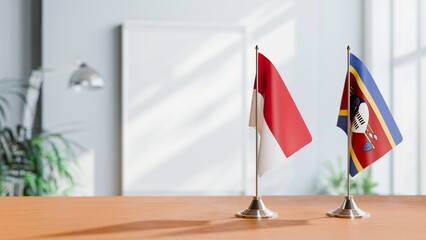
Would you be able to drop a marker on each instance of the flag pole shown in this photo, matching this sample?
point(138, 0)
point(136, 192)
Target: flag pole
point(257, 126)
point(348, 92)
point(257, 208)
point(348, 208)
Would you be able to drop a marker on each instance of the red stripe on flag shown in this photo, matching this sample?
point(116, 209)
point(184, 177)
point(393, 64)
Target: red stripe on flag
point(280, 111)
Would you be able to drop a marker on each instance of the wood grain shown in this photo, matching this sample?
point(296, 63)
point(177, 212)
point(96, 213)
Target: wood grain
point(300, 217)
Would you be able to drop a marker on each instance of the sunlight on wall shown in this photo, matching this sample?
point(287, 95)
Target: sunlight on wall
point(186, 124)
point(86, 174)
point(283, 38)
point(206, 51)
point(394, 42)
point(187, 77)
point(265, 13)
point(405, 33)
point(405, 155)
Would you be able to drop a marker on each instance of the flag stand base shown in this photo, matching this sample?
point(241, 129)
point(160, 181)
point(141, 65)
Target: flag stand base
point(257, 209)
point(348, 209)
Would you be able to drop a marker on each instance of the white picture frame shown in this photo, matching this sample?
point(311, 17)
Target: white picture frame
point(183, 118)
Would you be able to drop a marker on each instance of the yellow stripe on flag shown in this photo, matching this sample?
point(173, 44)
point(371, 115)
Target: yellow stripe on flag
point(373, 105)
point(343, 113)
point(355, 159)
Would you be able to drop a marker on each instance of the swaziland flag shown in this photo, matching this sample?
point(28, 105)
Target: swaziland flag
point(373, 131)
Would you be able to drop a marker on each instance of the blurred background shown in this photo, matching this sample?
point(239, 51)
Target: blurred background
point(172, 116)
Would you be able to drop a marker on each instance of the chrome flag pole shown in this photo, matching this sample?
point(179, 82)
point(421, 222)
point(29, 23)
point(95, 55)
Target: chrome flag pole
point(257, 208)
point(348, 208)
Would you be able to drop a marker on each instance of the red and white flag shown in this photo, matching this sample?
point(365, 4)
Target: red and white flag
point(280, 125)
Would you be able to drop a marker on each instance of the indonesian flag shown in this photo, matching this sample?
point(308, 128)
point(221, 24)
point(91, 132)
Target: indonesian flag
point(280, 125)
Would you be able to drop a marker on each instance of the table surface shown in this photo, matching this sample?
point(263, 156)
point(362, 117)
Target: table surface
point(300, 217)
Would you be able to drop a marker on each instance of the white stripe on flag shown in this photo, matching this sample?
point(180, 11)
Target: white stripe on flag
point(270, 152)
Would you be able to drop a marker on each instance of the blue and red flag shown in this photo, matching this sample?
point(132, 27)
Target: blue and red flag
point(373, 130)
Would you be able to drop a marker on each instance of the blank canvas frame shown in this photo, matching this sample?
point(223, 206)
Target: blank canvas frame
point(184, 120)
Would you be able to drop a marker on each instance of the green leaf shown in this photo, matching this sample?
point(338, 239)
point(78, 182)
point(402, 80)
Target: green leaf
point(20, 95)
point(5, 101)
point(2, 113)
point(30, 182)
point(333, 180)
point(48, 160)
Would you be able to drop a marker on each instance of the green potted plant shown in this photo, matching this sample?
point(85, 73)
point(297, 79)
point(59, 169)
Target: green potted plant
point(40, 164)
point(333, 180)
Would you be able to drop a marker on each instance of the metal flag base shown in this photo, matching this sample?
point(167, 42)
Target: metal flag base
point(348, 209)
point(257, 209)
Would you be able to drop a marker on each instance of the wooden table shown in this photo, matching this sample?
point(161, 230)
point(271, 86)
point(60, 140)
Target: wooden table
point(300, 217)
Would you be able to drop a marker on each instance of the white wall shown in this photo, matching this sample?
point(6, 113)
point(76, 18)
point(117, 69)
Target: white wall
point(305, 39)
point(15, 48)
point(395, 54)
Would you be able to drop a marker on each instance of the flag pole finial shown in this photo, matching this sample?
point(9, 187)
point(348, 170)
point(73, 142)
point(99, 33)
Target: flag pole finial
point(348, 48)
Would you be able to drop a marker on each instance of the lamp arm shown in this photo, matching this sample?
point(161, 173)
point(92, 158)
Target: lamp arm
point(48, 71)
point(31, 99)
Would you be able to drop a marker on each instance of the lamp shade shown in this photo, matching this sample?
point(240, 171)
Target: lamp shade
point(86, 77)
